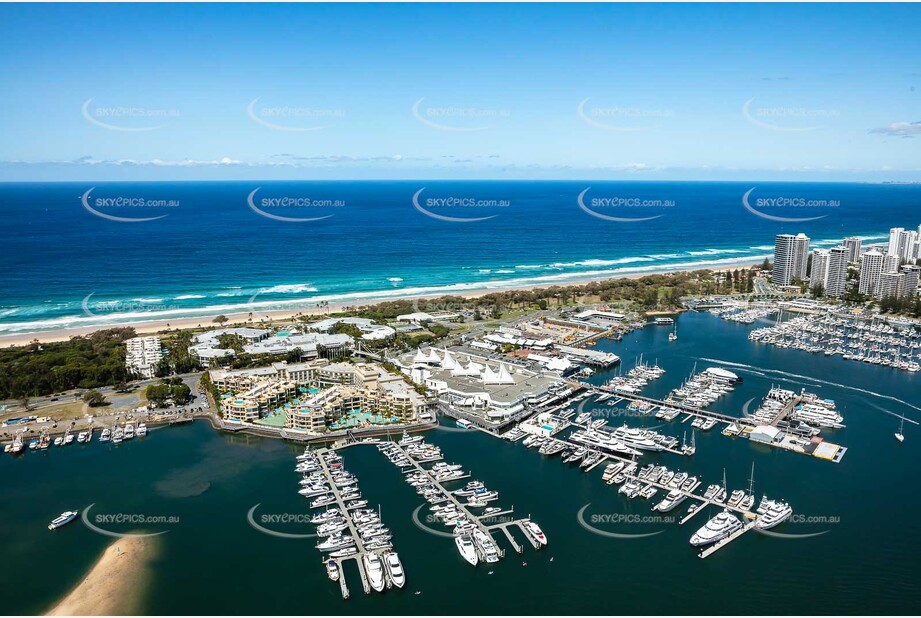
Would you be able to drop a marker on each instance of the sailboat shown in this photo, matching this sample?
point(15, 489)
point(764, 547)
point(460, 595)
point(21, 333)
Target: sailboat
point(899, 435)
point(673, 336)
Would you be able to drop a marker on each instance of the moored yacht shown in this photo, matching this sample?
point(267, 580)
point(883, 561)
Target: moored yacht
point(466, 548)
point(375, 570)
point(395, 569)
point(718, 528)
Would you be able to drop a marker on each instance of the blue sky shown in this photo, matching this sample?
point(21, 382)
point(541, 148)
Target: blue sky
point(166, 92)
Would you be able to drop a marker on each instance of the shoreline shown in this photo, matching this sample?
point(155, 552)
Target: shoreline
point(150, 327)
point(116, 582)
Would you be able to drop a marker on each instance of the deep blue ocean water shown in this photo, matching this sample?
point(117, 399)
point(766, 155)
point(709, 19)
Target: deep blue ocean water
point(66, 263)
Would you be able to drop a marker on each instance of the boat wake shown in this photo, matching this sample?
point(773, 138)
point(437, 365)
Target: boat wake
point(750, 369)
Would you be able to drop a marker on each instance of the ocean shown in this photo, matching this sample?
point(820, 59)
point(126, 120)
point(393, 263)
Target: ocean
point(83, 254)
point(852, 549)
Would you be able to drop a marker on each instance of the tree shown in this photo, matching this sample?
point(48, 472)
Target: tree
point(94, 398)
point(221, 319)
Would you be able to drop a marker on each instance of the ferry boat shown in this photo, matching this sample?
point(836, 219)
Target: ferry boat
point(395, 569)
point(64, 518)
point(466, 548)
point(463, 423)
point(663, 320)
point(718, 528)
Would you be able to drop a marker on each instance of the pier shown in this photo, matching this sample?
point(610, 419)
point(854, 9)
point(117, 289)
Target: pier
point(712, 549)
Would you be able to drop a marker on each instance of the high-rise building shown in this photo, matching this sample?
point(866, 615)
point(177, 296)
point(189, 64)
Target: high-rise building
point(836, 279)
point(891, 263)
point(819, 274)
point(800, 256)
point(853, 248)
point(791, 256)
point(782, 273)
point(912, 279)
point(871, 265)
point(890, 284)
point(895, 235)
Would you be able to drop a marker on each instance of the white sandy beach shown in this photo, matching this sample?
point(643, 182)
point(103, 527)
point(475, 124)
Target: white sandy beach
point(116, 584)
point(281, 315)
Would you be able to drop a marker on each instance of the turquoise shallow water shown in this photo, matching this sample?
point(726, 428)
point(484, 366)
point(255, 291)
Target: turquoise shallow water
point(214, 562)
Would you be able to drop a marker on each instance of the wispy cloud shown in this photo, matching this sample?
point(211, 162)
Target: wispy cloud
point(899, 129)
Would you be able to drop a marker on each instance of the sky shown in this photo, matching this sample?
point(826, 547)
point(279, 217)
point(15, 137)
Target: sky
point(518, 91)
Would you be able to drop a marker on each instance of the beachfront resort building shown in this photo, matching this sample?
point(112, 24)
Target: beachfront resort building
point(208, 350)
point(142, 355)
point(370, 331)
point(302, 396)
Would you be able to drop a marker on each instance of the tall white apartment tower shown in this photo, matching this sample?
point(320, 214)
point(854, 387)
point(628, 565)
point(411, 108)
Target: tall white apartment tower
point(871, 265)
point(894, 237)
point(819, 274)
point(783, 259)
point(800, 256)
point(835, 280)
point(853, 248)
